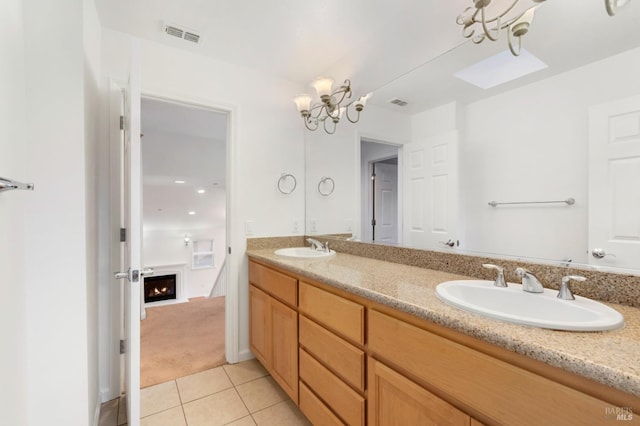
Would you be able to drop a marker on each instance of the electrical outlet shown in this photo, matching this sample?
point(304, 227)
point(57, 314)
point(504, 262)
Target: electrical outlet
point(249, 227)
point(313, 226)
point(349, 225)
point(295, 228)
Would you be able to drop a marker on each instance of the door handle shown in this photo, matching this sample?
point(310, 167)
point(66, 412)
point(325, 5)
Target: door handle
point(599, 253)
point(146, 271)
point(121, 275)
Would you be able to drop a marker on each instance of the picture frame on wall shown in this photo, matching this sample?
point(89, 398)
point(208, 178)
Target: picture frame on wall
point(202, 256)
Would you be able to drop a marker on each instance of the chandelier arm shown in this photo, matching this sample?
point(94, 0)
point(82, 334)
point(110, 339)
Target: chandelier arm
point(486, 30)
point(327, 130)
point(307, 121)
point(349, 117)
point(318, 108)
point(611, 6)
point(511, 48)
point(478, 39)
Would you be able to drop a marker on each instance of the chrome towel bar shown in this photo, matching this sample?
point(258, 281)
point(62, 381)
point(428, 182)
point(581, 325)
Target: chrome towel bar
point(8, 185)
point(568, 201)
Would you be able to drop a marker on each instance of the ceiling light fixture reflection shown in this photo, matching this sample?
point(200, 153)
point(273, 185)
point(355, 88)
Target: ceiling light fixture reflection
point(330, 108)
point(201, 191)
point(489, 17)
point(192, 213)
point(179, 182)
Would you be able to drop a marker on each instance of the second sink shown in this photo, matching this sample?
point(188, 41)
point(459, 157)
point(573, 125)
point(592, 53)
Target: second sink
point(543, 310)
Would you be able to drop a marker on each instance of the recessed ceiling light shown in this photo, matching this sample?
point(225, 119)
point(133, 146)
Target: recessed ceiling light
point(178, 181)
point(192, 213)
point(500, 68)
point(201, 191)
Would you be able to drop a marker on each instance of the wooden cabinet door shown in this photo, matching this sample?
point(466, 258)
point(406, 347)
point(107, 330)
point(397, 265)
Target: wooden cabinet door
point(260, 325)
point(395, 400)
point(284, 344)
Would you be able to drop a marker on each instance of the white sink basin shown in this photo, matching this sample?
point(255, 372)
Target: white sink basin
point(304, 253)
point(543, 310)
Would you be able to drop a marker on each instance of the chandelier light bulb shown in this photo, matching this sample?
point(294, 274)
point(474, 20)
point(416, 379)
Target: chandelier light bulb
point(303, 102)
point(323, 86)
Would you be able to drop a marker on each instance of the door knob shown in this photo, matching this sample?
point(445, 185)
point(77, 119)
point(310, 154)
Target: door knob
point(121, 275)
point(146, 271)
point(599, 253)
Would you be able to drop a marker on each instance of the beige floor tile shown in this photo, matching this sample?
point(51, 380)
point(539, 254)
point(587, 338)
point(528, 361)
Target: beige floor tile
point(245, 371)
point(261, 393)
point(158, 398)
point(109, 413)
point(202, 384)
point(217, 409)
point(122, 411)
point(171, 417)
point(245, 421)
point(283, 414)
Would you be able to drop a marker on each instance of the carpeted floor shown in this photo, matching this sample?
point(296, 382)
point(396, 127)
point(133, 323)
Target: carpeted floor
point(181, 339)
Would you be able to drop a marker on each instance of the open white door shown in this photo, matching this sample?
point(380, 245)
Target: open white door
point(614, 173)
point(132, 201)
point(430, 175)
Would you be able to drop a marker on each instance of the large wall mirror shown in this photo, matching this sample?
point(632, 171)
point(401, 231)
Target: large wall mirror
point(557, 150)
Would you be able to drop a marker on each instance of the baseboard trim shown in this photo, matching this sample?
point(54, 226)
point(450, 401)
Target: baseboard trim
point(245, 355)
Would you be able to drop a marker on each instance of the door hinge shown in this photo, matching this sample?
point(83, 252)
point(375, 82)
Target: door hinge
point(122, 122)
point(123, 235)
point(373, 176)
point(123, 348)
point(229, 249)
point(373, 222)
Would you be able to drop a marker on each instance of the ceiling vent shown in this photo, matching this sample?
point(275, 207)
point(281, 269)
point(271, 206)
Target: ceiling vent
point(399, 102)
point(183, 33)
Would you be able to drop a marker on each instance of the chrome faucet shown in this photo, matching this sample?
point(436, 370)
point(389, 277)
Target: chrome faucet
point(499, 282)
point(530, 282)
point(565, 291)
point(317, 244)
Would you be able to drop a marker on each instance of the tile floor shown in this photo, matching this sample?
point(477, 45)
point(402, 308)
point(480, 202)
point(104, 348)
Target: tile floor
point(240, 394)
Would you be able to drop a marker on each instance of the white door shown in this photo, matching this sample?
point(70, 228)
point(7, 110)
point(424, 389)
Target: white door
point(614, 177)
point(132, 202)
point(385, 206)
point(430, 175)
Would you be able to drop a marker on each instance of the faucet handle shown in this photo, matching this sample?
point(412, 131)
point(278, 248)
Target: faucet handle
point(565, 291)
point(499, 282)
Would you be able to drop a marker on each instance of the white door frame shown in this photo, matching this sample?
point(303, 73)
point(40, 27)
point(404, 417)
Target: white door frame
point(116, 382)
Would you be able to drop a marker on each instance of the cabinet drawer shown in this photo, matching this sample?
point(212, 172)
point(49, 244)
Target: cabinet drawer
point(336, 313)
point(315, 410)
point(496, 390)
point(343, 358)
point(346, 402)
point(273, 282)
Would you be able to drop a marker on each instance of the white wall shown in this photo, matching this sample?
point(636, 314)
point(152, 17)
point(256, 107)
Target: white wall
point(166, 247)
point(338, 156)
point(266, 139)
point(532, 144)
point(49, 251)
point(13, 306)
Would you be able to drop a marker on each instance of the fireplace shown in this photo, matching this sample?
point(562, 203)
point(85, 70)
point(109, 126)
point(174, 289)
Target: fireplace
point(157, 288)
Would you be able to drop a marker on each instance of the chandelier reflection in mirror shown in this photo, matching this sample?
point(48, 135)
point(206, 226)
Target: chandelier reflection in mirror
point(489, 17)
point(332, 106)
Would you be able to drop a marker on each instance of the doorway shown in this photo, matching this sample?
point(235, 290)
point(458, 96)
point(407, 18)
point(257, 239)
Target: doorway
point(184, 169)
point(380, 191)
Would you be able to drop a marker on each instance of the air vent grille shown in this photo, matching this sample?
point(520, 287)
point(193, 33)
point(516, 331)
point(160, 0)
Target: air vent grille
point(399, 102)
point(175, 31)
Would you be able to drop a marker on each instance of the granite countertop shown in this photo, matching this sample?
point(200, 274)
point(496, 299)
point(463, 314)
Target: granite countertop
point(609, 357)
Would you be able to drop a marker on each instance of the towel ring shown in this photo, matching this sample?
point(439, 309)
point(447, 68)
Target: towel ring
point(282, 186)
point(323, 181)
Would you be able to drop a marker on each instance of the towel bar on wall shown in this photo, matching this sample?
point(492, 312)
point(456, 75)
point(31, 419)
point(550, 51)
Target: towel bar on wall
point(568, 201)
point(8, 185)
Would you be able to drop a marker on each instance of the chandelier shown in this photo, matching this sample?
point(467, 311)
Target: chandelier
point(330, 109)
point(489, 17)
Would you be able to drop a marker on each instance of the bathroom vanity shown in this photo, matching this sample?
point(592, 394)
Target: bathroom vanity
point(361, 341)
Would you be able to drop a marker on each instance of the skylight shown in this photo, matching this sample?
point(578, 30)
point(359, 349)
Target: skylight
point(500, 68)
